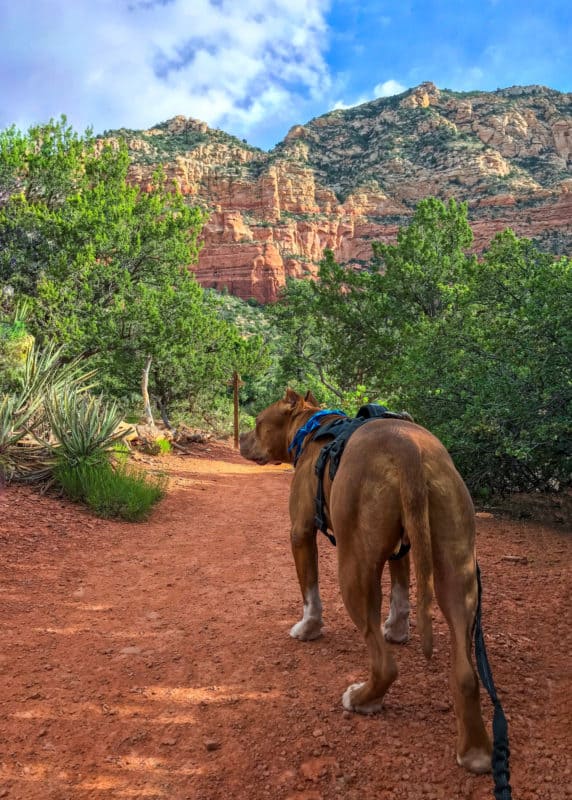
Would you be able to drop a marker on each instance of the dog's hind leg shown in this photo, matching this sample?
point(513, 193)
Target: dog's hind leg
point(456, 593)
point(305, 552)
point(396, 626)
point(361, 590)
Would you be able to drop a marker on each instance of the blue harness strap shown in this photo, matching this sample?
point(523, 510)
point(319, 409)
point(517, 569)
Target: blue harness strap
point(311, 425)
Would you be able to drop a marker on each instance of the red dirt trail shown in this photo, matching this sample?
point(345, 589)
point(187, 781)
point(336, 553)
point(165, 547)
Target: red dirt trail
point(153, 660)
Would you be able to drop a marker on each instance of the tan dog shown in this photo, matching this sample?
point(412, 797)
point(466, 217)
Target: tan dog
point(395, 480)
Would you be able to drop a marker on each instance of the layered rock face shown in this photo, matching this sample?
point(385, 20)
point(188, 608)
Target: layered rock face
point(355, 175)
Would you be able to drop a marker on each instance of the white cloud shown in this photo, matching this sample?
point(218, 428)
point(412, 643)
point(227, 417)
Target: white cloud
point(112, 63)
point(388, 88)
point(385, 89)
point(339, 104)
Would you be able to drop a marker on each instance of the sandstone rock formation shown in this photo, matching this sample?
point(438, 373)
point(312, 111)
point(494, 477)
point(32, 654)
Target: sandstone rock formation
point(355, 175)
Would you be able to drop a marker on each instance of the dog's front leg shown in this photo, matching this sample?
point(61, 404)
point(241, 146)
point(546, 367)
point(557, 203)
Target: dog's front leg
point(305, 552)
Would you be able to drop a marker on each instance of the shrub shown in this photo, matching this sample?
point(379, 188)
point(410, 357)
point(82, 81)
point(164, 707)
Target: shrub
point(111, 492)
point(85, 426)
point(21, 456)
point(477, 351)
point(164, 446)
point(158, 447)
point(120, 453)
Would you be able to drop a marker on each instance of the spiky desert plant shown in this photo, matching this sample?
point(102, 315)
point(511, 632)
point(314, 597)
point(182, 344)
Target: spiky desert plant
point(27, 446)
point(22, 457)
point(45, 372)
point(86, 436)
point(83, 427)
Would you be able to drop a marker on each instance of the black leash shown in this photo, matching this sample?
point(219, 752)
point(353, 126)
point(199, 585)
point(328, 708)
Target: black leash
point(501, 750)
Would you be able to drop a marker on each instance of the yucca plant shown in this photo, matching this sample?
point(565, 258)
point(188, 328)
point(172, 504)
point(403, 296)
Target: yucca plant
point(83, 427)
point(45, 372)
point(22, 456)
point(86, 437)
point(53, 429)
point(27, 444)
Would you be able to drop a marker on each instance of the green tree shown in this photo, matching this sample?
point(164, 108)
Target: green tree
point(194, 351)
point(429, 265)
point(502, 365)
point(105, 265)
point(479, 352)
point(362, 320)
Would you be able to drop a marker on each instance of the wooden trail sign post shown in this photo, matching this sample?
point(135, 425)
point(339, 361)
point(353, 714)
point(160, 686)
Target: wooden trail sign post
point(236, 383)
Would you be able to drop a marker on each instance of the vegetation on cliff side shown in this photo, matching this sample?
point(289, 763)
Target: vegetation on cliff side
point(466, 144)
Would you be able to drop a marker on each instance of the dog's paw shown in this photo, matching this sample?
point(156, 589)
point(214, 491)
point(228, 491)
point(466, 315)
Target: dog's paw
point(396, 632)
point(349, 701)
point(307, 629)
point(475, 760)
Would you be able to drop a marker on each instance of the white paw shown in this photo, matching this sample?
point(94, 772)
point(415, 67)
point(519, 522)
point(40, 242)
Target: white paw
point(347, 696)
point(348, 704)
point(396, 632)
point(475, 760)
point(307, 629)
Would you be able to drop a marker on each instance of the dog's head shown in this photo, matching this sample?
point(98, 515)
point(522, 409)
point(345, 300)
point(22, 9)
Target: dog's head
point(275, 427)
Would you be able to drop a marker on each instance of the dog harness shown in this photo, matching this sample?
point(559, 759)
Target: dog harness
point(340, 429)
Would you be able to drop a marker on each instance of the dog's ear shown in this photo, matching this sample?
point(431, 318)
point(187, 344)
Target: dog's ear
point(292, 398)
point(309, 398)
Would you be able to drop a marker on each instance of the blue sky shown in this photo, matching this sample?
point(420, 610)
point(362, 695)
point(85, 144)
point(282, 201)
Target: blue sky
point(257, 67)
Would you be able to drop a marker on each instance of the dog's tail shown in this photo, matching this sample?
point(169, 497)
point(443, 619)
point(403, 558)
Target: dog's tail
point(415, 516)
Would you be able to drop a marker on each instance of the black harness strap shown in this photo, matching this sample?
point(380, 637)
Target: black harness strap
point(404, 548)
point(501, 749)
point(341, 429)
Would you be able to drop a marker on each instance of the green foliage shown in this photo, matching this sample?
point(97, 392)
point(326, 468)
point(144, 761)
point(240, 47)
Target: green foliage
point(26, 453)
point(506, 371)
point(214, 415)
point(120, 453)
point(256, 365)
point(429, 260)
point(111, 492)
point(158, 447)
point(12, 332)
point(85, 427)
point(15, 343)
point(479, 352)
point(21, 457)
point(164, 446)
point(302, 349)
point(104, 264)
point(51, 427)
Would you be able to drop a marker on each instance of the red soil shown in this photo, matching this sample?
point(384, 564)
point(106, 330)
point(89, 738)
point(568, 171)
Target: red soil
point(153, 660)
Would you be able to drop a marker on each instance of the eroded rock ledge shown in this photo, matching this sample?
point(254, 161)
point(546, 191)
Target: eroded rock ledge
point(354, 176)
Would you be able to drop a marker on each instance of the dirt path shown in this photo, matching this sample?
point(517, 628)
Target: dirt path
point(152, 661)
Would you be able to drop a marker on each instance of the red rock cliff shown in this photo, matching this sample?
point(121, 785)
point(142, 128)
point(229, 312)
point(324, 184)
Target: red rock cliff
point(354, 176)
